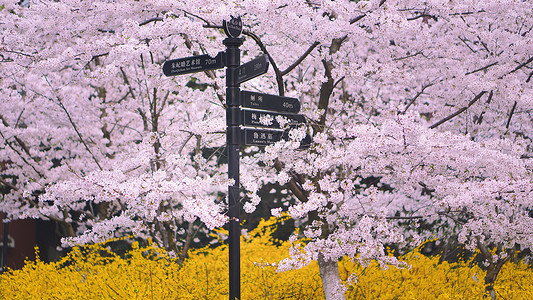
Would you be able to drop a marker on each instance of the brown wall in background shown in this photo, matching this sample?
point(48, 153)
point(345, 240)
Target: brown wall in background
point(24, 234)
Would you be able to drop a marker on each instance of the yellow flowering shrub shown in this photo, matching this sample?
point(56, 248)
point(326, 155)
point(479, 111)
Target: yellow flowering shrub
point(94, 272)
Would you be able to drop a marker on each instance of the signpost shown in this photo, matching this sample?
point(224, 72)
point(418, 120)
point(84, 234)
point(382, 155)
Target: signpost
point(251, 69)
point(261, 137)
point(269, 102)
point(259, 118)
point(193, 64)
point(260, 124)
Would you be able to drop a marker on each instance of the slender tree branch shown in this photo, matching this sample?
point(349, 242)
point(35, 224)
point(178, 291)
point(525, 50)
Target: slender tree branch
point(422, 16)
point(16, 52)
point(78, 133)
point(24, 148)
point(297, 191)
point(529, 77)
point(17, 139)
point(409, 56)
point(405, 218)
point(467, 13)
point(521, 65)
point(9, 185)
point(358, 18)
point(510, 115)
point(94, 58)
point(300, 59)
point(156, 19)
point(484, 45)
point(60, 104)
point(416, 96)
point(476, 98)
point(279, 76)
point(144, 118)
point(185, 142)
point(338, 81)
point(464, 42)
point(127, 82)
point(19, 117)
point(352, 21)
point(481, 69)
point(480, 118)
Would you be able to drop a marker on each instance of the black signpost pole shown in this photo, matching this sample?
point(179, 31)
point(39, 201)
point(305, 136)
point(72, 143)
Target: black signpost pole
point(233, 133)
point(256, 106)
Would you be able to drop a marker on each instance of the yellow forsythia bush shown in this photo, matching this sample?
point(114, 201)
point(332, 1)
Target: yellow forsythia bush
point(94, 272)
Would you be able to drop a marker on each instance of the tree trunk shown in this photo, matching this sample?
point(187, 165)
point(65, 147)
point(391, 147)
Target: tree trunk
point(490, 279)
point(494, 267)
point(331, 281)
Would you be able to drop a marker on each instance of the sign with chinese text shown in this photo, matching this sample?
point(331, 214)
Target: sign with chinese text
point(193, 64)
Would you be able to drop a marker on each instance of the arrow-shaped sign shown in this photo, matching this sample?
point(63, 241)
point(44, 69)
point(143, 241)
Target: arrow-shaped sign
point(261, 137)
point(251, 69)
point(193, 64)
point(267, 119)
point(265, 137)
point(269, 102)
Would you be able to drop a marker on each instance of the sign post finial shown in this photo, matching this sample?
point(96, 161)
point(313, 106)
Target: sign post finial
point(233, 28)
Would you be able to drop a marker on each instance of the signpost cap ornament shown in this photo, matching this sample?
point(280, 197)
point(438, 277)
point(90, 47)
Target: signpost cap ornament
point(233, 28)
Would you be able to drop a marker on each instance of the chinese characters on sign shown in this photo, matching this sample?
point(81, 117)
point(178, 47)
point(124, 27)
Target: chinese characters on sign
point(275, 120)
point(193, 64)
point(251, 69)
point(269, 102)
point(261, 137)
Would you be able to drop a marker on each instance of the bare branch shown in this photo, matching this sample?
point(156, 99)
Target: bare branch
point(484, 45)
point(416, 96)
point(481, 69)
point(300, 59)
point(297, 190)
point(408, 56)
point(476, 98)
point(144, 118)
point(156, 19)
point(480, 118)
point(510, 115)
point(78, 133)
point(422, 16)
point(23, 146)
point(352, 21)
point(404, 218)
point(9, 185)
point(521, 65)
point(16, 52)
point(279, 76)
point(464, 41)
point(127, 82)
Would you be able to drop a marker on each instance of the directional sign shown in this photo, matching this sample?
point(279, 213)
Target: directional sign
point(269, 102)
point(267, 119)
point(251, 69)
point(261, 137)
point(265, 137)
point(193, 64)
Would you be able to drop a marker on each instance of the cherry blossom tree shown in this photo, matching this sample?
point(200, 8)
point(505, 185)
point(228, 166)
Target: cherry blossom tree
point(420, 112)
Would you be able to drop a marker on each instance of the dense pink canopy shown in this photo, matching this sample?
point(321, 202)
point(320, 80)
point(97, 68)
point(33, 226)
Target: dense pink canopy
point(432, 99)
